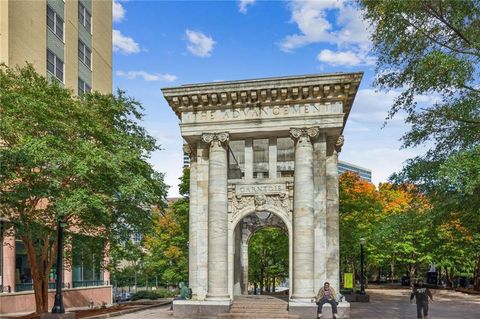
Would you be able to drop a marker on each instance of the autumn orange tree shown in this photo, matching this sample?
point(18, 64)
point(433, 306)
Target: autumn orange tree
point(393, 219)
point(360, 207)
point(167, 245)
point(404, 234)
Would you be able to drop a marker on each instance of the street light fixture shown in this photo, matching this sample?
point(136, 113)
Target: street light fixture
point(58, 305)
point(362, 261)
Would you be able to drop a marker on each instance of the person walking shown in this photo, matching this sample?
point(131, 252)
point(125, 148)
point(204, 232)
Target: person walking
point(421, 294)
point(326, 294)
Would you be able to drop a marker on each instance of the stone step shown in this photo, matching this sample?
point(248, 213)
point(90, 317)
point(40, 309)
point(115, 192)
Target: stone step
point(264, 307)
point(255, 316)
point(282, 307)
point(263, 311)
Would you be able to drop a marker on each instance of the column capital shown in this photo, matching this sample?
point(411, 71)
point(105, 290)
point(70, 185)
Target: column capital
point(191, 150)
point(306, 132)
point(339, 143)
point(215, 139)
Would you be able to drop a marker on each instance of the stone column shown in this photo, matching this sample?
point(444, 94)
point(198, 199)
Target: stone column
point(303, 228)
point(244, 252)
point(248, 158)
point(272, 157)
point(237, 261)
point(320, 210)
point(217, 217)
point(192, 220)
point(201, 211)
point(8, 262)
point(333, 237)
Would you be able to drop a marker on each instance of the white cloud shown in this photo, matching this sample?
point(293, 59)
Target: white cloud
point(337, 23)
point(124, 44)
point(199, 44)
point(345, 58)
point(118, 11)
point(132, 75)
point(243, 4)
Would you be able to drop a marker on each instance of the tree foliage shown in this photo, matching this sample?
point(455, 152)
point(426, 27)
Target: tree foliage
point(433, 48)
point(81, 161)
point(167, 245)
point(268, 258)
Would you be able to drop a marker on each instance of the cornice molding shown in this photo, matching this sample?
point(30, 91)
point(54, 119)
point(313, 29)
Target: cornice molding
point(321, 88)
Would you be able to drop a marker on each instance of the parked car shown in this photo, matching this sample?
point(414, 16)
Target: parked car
point(121, 296)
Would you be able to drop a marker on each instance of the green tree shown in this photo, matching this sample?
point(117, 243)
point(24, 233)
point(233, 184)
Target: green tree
point(433, 48)
point(167, 245)
point(268, 258)
point(360, 209)
point(81, 161)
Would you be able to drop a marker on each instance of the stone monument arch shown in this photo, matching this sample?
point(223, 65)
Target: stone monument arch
point(264, 145)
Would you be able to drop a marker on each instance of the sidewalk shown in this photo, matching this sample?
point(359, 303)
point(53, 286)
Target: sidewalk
point(395, 304)
point(385, 304)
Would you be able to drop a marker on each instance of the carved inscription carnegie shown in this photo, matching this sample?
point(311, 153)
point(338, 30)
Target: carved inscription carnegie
point(260, 189)
point(261, 112)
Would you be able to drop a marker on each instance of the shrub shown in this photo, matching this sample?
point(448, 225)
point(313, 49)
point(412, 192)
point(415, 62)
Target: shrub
point(153, 294)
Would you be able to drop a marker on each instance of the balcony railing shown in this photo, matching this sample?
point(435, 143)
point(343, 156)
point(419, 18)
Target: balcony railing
point(29, 286)
point(89, 283)
point(52, 285)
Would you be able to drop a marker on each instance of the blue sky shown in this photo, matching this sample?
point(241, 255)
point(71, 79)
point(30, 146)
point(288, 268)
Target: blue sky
point(168, 43)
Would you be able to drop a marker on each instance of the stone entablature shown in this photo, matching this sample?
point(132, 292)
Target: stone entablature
point(264, 106)
point(270, 91)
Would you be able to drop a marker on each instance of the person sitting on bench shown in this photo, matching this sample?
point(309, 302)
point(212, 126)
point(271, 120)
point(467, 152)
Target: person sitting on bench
point(326, 294)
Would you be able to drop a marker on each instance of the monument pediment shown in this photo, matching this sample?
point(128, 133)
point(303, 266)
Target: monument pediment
point(282, 99)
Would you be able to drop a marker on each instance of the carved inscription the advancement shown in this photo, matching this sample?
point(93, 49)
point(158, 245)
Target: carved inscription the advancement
point(261, 112)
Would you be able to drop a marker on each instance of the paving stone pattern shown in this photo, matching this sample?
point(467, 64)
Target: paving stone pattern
point(384, 303)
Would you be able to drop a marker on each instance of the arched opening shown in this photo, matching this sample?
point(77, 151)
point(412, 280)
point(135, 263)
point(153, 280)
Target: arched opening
point(268, 261)
point(261, 258)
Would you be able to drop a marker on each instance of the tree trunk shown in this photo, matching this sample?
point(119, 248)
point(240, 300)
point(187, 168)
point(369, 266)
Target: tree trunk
point(449, 277)
point(411, 273)
point(392, 269)
point(262, 281)
point(40, 268)
point(476, 275)
point(273, 284)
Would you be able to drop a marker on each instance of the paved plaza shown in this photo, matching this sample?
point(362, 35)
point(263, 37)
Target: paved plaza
point(395, 304)
point(391, 304)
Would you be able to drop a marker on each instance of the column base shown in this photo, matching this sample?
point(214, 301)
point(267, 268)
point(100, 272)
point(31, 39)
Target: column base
point(199, 309)
point(210, 297)
point(303, 298)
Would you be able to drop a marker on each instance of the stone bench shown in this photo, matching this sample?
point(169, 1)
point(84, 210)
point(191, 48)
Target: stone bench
point(309, 310)
point(343, 310)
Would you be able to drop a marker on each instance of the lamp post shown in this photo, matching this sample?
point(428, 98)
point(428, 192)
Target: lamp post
point(58, 305)
point(362, 274)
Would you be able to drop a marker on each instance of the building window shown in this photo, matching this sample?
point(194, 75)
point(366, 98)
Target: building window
point(236, 159)
point(55, 65)
point(260, 159)
point(54, 22)
point(84, 54)
point(84, 17)
point(285, 157)
point(83, 87)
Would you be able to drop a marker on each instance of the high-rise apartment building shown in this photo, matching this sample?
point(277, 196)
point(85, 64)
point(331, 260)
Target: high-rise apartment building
point(364, 173)
point(69, 41)
point(66, 40)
